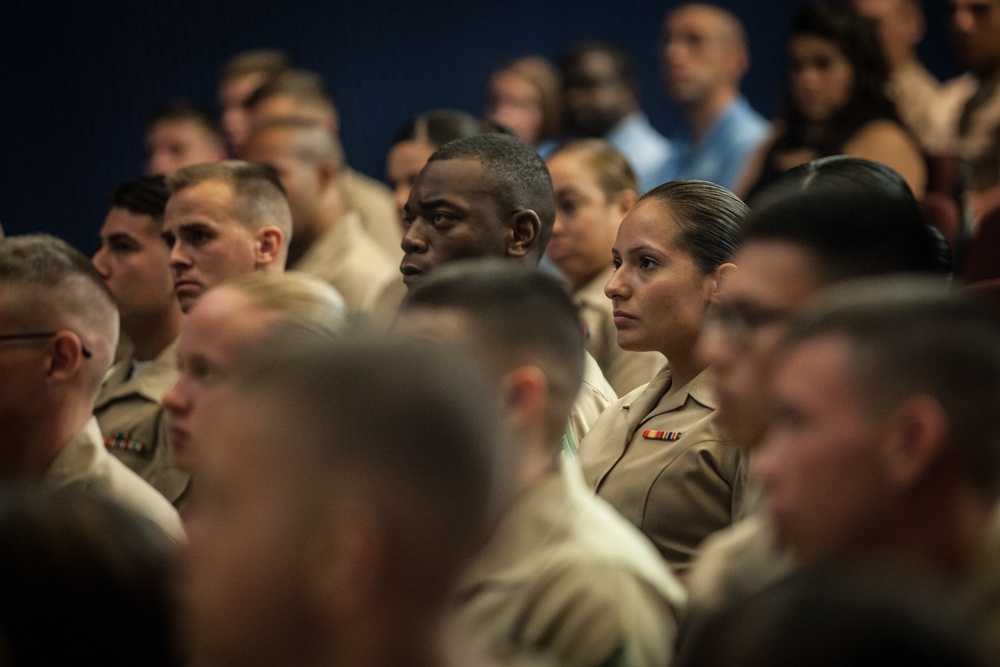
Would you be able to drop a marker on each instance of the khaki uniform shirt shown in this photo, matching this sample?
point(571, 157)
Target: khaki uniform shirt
point(133, 422)
point(979, 136)
point(347, 258)
point(666, 464)
point(593, 399)
point(374, 204)
point(917, 95)
point(625, 370)
point(85, 464)
point(566, 577)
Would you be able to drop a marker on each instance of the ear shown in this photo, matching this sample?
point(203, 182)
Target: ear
point(525, 395)
point(349, 559)
point(718, 280)
point(917, 433)
point(67, 356)
point(523, 229)
point(625, 200)
point(268, 242)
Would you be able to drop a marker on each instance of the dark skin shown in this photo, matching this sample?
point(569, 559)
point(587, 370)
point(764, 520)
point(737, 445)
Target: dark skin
point(596, 96)
point(452, 214)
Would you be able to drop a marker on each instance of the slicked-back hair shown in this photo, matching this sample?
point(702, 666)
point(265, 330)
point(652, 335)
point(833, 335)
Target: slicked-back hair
point(610, 168)
point(258, 195)
point(709, 217)
point(143, 196)
point(300, 300)
point(517, 177)
point(400, 426)
point(516, 316)
point(911, 336)
point(546, 80)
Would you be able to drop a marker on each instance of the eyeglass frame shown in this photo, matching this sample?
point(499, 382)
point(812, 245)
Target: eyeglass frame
point(741, 321)
point(41, 335)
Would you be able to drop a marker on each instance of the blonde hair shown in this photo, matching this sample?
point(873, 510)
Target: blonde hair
point(300, 300)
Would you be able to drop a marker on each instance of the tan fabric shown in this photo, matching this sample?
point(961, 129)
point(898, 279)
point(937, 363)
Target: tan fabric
point(347, 258)
point(595, 395)
point(134, 424)
point(624, 370)
point(676, 492)
point(86, 465)
point(979, 136)
point(917, 96)
point(374, 204)
point(565, 576)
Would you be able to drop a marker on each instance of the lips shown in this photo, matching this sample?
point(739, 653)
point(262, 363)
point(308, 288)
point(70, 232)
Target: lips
point(186, 286)
point(622, 318)
point(411, 273)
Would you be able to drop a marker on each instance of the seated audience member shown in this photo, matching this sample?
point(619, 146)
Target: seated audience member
point(836, 102)
point(863, 221)
point(180, 135)
point(58, 338)
point(215, 335)
point(885, 446)
point(704, 57)
point(417, 140)
point(525, 94)
point(660, 455)
point(601, 97)
point(921, 101)
point(299, 94)
point(134, 263)
point(223, 220)
point(71, 563)
point(829, 618)
point(974, 26)
point(339, 505)
point(564, 575)
point(328, 240)
point(240, 78)
point(486, 196)
point(594, 189)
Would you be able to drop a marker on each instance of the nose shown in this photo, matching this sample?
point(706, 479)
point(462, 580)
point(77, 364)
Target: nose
point(99, 260)
point(177, 257)
point(617, 287)
point(175, 401)
point(560, 224)
point(413, 240)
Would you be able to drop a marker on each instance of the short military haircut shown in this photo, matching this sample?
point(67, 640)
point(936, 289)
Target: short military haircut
point(51, 285)
point(311, 142)
point(516, 316)
point(305, 87)
point(258, 195)
point(186, 112)
point(143, 196)
point(610, 168)
point(851, 231)
point(517, 177)
point(403, 428)
point(301, 301)
point(439, 126)
point(709, 217)
point(268, 62)
point(912, 336)
point(621, 61)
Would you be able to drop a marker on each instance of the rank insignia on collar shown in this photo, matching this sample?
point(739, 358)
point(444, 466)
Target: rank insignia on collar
point(650, 434)
point(125, 443)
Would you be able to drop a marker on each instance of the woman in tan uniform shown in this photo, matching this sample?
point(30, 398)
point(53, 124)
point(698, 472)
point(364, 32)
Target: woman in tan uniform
point(595, 188)
point(659, 455)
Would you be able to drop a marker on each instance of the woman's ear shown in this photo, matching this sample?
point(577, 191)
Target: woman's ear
point(720, 277)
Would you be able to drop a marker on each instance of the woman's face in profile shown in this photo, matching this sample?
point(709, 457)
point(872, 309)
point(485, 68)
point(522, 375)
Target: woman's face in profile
point(820, 76)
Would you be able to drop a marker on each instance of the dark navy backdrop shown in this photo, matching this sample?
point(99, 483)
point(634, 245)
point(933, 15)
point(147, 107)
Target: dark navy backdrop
point(78, 77)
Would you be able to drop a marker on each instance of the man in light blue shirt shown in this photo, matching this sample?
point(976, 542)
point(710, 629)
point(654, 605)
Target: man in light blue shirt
point(704, 57)
point(602, 100)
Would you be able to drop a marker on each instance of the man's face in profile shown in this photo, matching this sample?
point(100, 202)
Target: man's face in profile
point(451, 214)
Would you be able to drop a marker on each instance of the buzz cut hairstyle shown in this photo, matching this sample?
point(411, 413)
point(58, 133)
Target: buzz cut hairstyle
point(910, 335)
point(304, 86)
point(184, 111)
point(268, 62)
point(258, 195)
point(516, 173)
point(144, 196)
point(518, 315)
point(312, 143)
point(402, 427)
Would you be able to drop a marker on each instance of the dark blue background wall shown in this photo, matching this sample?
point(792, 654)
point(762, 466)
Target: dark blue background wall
point(78, 78)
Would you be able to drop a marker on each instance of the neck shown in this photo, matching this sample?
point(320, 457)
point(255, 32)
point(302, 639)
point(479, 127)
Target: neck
point(37, 440)
point(684, 367)
point(384, 646)
point(703, 114)
point(327, 215)
point(538, 458)
point(152, 337)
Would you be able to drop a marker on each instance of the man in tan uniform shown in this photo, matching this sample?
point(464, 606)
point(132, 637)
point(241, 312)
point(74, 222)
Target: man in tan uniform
point(344, 487)
point(329, 240)
point(58, 334)
point(134, 263)
point(300, 94)
point(564, 576)
point(224, 219)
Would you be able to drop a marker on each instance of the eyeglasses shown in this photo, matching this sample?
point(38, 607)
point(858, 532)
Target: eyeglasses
point(740, 321)
point(42, 335)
